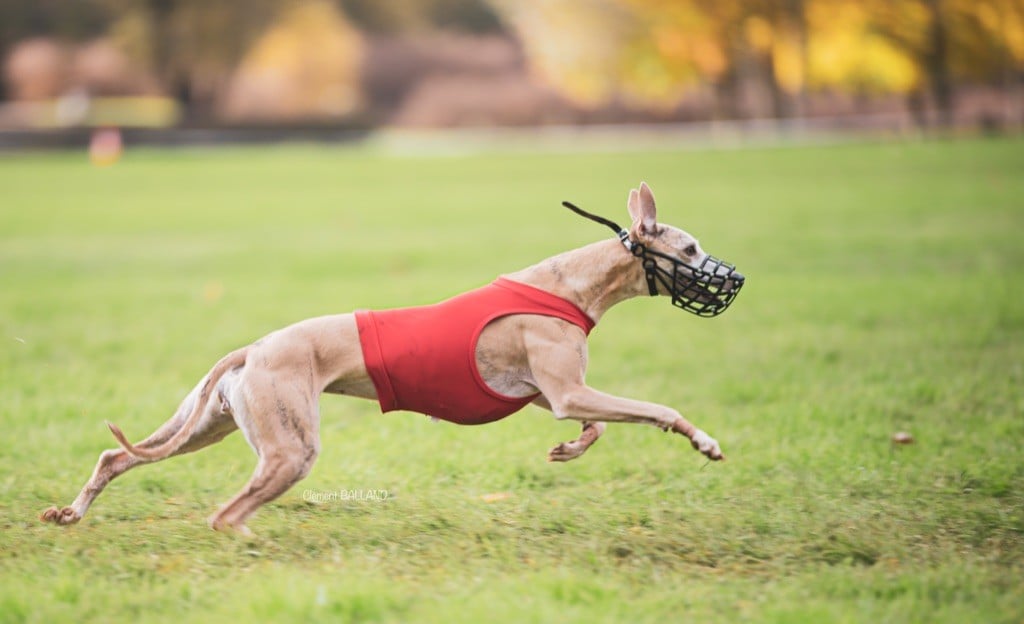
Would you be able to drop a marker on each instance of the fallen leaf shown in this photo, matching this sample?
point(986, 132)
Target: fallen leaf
point(495, 497)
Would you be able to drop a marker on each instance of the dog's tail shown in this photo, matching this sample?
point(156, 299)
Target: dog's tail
point(232, 360)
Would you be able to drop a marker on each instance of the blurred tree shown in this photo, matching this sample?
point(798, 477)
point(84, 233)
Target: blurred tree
point(394, 16)
point(951, 40)
point(745, 57)
point(306, 66)
point(848, 49)
point(654, 51)
point(24, 19)
point(191, 45)
point(76, 21)
point(578, 46)
point(679, 46)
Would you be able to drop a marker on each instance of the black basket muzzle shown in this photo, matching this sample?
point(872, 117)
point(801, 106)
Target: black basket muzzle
point(705, 290)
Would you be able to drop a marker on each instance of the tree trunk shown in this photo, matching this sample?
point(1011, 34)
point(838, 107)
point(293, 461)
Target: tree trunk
point(798, 20)
point(166, 56)
point(936, 63)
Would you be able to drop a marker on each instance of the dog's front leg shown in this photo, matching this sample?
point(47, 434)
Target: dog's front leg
point(572, 449)
point(584, 403)
point(557, 366)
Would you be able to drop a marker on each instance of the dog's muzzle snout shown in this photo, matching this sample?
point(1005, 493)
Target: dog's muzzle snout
point(710, 289)
point(733, 281)
point(705, 290)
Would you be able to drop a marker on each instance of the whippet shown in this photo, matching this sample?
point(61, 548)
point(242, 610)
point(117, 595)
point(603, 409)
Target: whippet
point(519, 340)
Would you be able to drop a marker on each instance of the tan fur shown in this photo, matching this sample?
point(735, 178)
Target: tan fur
point(270, 389)
point(234, 359)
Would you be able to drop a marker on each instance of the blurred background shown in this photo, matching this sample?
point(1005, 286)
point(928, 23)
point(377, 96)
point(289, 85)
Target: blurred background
point(220, 70)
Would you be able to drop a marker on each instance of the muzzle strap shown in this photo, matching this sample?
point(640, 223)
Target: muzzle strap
point(621, 233)
point(636, 249)
point(650, 268)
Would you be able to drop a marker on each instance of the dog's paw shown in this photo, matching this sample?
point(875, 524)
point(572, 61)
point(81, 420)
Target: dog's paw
point(237, 529)
point(65, 515)
point(566, 451)
point(707, 445)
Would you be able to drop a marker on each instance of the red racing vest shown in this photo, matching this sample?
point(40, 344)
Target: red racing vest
point(423, 359)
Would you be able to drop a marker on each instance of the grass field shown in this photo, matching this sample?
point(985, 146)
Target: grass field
point(885, 293)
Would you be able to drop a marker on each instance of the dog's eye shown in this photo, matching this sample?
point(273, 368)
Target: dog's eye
point(691, 250)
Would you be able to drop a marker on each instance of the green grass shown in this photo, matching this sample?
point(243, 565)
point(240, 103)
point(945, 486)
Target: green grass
point(885, 292)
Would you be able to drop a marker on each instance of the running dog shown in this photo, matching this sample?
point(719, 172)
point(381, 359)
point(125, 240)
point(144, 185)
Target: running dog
point(472, 359)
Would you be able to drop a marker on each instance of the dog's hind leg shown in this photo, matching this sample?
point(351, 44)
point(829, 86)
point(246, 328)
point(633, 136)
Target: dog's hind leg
point(112, 463)
point(280, 419)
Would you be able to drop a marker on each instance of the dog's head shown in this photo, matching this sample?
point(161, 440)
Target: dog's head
point(674, 262)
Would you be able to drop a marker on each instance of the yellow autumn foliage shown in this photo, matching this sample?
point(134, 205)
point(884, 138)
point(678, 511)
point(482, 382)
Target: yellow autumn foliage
point(788, 63)
point(993, 30)
point(844, 51)
point(576, 46)
point(654, 52)
point(306, 65)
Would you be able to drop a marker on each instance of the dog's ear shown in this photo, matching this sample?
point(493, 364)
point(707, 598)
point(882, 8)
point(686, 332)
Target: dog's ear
point(643, 211)
point(633, 205)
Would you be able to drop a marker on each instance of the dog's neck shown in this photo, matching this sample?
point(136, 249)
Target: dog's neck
point(594, 277)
